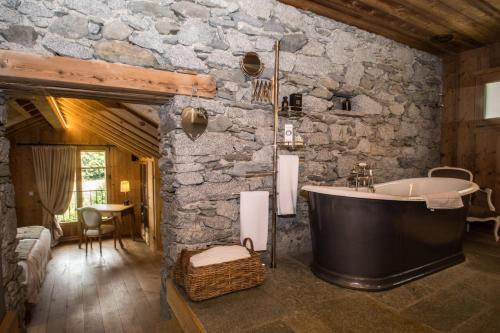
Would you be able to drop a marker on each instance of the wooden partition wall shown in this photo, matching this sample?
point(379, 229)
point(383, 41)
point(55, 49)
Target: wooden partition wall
point(468, 141)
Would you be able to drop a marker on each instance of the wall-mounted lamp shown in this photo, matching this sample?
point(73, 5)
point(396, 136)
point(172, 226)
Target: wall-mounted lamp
point(125, 188)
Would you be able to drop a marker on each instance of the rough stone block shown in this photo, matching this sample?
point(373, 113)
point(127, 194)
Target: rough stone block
point(118, 51)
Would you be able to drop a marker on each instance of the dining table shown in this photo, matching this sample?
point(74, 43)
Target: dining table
point(119, 211)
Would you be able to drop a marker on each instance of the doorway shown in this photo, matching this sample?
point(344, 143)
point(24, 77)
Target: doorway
point(24, 74)
point(150, 205)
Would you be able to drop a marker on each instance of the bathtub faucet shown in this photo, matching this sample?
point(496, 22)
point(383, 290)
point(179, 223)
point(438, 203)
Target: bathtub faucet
point(361, 176)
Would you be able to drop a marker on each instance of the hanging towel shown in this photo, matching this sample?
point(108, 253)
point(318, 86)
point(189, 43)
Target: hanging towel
point(443, 200)
point(288, 178)
point(218, 255)
point(254, 218)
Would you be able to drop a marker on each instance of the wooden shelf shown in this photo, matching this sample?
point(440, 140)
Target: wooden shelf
point(282, 145)
point(293, 115)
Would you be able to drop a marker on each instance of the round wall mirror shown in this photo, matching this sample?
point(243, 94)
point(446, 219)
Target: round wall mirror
point(251, 64)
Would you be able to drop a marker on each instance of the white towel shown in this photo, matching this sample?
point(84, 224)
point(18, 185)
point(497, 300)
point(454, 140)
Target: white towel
point(444, 200)
point(254, 218)
point(219, 254)
point(288, 179)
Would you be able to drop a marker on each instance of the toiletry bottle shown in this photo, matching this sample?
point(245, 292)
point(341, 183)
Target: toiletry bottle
point(348, 104)
point(344, 104)
point(284, 106)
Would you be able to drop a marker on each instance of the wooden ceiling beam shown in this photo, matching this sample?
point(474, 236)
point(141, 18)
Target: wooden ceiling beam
point(146, 111)
point(86, 127)
point(88, 123)
point(79, 115)
point(480, 11)
point(27, 124)
point(50, 112)
point(102, 115)
point(132, 118)
point(15, 113)
point(21, 90)
point(106, 131)
point(424, 25)
point(362, 21)
point(37, 71)
point(438, 10)
point(421, 18)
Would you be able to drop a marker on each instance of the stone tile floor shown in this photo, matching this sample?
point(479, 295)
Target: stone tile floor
point(463, 298)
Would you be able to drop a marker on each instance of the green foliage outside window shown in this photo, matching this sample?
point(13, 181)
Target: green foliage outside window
point(93, 165)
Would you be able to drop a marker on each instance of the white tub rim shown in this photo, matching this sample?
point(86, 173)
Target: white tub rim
point(363, 193)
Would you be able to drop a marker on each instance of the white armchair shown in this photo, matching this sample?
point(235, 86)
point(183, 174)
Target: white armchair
point(481, 208)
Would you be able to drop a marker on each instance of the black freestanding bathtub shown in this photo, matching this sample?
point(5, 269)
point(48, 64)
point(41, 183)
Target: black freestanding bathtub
point(377, 241)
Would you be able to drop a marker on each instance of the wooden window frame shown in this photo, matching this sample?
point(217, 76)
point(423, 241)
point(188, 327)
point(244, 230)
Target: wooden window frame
point(482, 78)
point(78, 175)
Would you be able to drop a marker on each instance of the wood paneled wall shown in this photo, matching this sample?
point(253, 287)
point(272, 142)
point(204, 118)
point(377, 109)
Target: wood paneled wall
point(468, 141)
point(120, 167)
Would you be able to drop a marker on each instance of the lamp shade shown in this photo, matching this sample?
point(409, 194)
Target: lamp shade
point(124, 186)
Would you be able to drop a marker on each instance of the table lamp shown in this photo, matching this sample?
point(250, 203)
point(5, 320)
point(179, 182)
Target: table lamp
point(125, 188)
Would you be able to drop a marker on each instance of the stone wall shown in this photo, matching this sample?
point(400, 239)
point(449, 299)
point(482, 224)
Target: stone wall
point(11, 272)
point(394, 125)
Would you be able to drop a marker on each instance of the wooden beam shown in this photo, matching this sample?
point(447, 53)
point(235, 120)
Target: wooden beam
point(54, 105)
point(146, 111)
point(53, 116)
point(94, 123)
point(383, 27)
point(52, 74)
point(113, 122)
point(106, 131)
point(87, 125)
point(461, 24)
point(188, 320)
point(421, 18)
point(142, 123)
point(15, 113)
point(24, 125)
point(137, 122)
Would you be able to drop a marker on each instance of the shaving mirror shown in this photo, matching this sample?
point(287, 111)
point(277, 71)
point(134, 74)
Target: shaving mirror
point(251, 64)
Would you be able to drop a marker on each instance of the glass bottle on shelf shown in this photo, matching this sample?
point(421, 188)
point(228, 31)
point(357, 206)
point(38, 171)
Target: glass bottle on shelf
point(285, 106)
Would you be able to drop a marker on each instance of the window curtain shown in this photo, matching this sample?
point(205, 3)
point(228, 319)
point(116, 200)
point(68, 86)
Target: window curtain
point(55, 169)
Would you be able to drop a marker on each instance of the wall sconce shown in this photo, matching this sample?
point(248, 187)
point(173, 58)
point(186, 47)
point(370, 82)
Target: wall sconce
point(125, 188)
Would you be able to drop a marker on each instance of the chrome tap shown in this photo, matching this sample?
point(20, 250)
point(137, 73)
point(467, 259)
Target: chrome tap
point(361, 176)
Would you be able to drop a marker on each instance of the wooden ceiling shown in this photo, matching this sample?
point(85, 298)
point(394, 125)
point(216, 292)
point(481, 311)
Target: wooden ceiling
point(131, 127)
point(422, 24)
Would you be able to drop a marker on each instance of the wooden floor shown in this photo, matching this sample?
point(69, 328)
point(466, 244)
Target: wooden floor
point(118, 292)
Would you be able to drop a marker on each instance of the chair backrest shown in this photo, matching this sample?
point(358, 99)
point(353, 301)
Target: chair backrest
point(91, 218)
point(451, 172)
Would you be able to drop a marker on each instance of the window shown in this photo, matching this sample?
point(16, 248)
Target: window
point(90, 185)
point(492, 100)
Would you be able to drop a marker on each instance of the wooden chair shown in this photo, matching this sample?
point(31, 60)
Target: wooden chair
point(93, 226)
point(481, 208)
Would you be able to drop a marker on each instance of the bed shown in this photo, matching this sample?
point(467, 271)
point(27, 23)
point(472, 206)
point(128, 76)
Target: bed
point(33, 251)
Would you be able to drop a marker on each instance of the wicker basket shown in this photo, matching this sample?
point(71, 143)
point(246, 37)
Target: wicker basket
point(210, 281)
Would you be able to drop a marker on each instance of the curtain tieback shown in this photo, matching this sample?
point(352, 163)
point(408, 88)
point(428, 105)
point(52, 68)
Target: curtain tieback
point(44, 207)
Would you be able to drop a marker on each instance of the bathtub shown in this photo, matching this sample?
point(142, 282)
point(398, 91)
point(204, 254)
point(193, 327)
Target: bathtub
point(377, 241)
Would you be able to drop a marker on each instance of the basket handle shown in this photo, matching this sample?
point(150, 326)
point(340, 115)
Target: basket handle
point(245, 243)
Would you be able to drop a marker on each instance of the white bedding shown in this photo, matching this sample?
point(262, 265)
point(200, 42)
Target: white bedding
point(35, 267)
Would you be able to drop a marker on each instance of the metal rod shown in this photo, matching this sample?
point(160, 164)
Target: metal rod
point(62, 144)
point(275, 149)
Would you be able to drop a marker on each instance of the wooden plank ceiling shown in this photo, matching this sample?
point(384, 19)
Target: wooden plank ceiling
point(131, 127)
point(423, 24)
